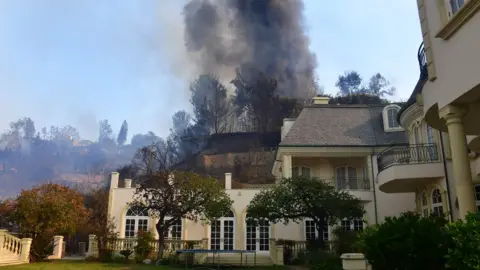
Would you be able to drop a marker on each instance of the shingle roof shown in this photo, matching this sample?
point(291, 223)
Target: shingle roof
point(341, 125)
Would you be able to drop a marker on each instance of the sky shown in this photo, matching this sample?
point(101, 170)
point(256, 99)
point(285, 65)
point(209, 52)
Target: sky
point(78, 62)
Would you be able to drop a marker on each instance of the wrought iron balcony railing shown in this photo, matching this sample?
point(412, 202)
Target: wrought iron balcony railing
point(412, 154)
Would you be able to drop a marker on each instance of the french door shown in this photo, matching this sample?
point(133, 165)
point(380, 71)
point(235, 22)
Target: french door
point(258, 237)
point(134, 225)
point(222, 234)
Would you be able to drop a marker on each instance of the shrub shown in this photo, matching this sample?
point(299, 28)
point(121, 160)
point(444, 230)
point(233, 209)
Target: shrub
point(42, 247)
point(346, 242)
point(144, 248)
point(407, 242)
point(324, 260)
point(105, 255)
point(465, 251)
point(126, 253)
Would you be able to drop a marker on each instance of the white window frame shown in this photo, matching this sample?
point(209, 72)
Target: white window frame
point(138, 216)
point(450, 9)
point(477, 196)
point(222, 238)
point(348, 177)
point(257, 237)
point(300, 171)
point(326, 235)
point(387, 116)
point(169, 232)
point(424, 204)
point(437, 205)
point(432, 152)
point(351, 226)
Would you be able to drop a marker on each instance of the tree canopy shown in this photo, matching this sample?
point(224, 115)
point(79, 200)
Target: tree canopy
point(299, 198)
point(171, 196)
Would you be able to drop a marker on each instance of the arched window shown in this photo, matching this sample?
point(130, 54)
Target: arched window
point(424, 205)
point(311, 232)
point(136, 220)
point(437, 202)
point(346, 178)
point(392, 117)
point(416, 135)
point(222, 233)
point(432, 149)
point(257, 235)
point(301, 171)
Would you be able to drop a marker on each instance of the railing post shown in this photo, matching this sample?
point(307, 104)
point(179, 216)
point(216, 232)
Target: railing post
point(26, 244)
point(273, 250)
point(2, 237)
point(92, 245)
point(205, 243)
point(57, 248)
point(279, 253)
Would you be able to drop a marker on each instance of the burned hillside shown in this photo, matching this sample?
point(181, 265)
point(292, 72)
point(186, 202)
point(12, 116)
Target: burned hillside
point(247, 155)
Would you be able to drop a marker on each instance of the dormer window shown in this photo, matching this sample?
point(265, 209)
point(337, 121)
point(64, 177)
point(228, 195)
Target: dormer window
point(389, 114)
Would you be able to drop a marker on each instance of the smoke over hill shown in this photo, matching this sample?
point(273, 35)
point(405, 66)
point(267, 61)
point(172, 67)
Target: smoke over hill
point(268, 35)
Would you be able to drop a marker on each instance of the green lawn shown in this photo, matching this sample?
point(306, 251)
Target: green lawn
point(72, 265)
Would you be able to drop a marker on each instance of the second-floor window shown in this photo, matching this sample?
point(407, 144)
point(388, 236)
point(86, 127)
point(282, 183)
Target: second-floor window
point(454, 6)
point(346, 178)
point(301, 171)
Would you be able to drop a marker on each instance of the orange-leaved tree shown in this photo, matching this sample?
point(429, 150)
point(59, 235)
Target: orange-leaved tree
point(47, 210)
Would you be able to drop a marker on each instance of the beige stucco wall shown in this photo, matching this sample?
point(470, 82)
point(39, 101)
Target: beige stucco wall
point(196, 230)
point(456, 61)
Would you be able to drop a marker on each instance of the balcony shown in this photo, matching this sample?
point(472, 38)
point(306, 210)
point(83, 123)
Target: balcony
point(403, 169)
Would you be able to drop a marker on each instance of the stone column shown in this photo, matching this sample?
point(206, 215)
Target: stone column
point(460, 161)
point(25, 252)
point(287, 166)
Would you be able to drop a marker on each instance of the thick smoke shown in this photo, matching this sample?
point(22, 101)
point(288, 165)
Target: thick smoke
point(268, 35)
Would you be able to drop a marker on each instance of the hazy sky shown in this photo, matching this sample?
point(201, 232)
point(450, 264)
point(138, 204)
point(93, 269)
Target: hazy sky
point(79, 61)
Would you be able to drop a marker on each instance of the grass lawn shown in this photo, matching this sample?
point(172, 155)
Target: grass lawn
point(74, 265)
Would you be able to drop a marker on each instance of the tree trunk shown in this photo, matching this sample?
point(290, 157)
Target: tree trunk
point(320, 243)
point(161, 247)
point(161, 240)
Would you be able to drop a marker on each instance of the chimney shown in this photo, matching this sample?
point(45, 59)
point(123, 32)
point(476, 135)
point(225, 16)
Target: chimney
point(114, 180)
point(320, 100)
point(228, 181)
point(287, 125)
point(128, 183)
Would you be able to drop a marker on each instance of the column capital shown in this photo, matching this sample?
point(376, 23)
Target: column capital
point(452, 113)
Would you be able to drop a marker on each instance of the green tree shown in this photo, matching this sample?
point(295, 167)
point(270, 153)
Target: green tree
point(351, 83)
point(296, 199)
point(172, 196)
point(47, 210)
point(122, 134)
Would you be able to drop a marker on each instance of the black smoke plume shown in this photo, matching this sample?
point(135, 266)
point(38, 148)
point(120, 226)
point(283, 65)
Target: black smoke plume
point(268, 35)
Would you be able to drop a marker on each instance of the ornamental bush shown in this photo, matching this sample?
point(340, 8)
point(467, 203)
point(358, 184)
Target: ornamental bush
point(465, 251)
point(407, 242)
